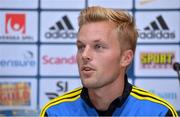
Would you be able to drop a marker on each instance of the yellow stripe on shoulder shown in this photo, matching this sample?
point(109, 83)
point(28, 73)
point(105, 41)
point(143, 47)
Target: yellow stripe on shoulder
point(147, 93)
point(67, 97)
point(151, 97)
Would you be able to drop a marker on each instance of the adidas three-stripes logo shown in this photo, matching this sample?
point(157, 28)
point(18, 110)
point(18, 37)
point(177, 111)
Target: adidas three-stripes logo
point(158, 24)
point(62, 29)
point(65, 24)
point(156, 30)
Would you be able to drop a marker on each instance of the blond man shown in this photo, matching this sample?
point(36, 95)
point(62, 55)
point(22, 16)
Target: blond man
point(106, 45)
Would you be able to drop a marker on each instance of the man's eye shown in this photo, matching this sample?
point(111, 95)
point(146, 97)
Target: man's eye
point(98, 46)
point(80, 47)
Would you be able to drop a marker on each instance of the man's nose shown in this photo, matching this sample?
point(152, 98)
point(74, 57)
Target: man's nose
point(87, 54)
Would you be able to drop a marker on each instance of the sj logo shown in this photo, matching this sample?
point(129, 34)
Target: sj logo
point(15, 23)
point(62, 87)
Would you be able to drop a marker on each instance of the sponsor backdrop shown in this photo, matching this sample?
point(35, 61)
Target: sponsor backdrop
point(38, 50)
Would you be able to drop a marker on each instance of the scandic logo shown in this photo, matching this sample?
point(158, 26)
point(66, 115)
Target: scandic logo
point(62, 29)
point(158, 29)
point(58, 60)
point(15, 23)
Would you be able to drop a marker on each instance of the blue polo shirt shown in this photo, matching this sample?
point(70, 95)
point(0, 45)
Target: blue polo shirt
point(133, 102)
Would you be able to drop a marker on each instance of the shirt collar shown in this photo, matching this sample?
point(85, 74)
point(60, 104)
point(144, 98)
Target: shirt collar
point(118, 102)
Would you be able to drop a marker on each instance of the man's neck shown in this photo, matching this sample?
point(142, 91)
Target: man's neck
point(101, 98)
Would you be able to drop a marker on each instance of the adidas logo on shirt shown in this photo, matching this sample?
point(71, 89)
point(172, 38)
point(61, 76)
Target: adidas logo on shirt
point(62, 29)
point(157, 29)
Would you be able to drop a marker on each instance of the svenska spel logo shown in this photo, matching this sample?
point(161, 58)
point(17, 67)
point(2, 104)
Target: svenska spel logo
point(15, 23)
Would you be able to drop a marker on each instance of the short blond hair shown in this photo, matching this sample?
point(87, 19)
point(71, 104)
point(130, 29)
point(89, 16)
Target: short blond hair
point(122, 19)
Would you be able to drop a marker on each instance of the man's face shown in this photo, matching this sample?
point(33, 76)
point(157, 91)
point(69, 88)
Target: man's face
point(98, 54)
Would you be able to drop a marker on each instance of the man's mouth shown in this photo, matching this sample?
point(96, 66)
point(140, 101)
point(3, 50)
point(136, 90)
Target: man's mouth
point(87, 68)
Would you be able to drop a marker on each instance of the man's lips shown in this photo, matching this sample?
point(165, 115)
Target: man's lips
point(87, 68)
point(87, 71)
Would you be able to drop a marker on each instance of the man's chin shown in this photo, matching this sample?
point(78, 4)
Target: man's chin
point(90, 85)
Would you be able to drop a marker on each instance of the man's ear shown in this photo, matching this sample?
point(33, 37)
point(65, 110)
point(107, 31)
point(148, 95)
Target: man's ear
point(126, 58)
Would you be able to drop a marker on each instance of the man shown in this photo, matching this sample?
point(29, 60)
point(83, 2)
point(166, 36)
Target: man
point(106, 44)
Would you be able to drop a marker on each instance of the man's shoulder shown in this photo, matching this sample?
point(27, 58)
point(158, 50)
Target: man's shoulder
point(151, 100)
point(70, 97)
point(142, 94)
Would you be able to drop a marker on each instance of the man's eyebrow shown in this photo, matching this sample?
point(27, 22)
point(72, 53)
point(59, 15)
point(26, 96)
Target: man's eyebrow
point(97, 40)
point(94, 41)
point(79, 42)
